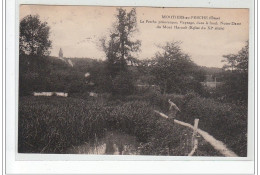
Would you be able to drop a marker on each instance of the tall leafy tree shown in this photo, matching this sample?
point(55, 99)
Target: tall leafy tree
point(237, 62)
point(121, 46)
point(120, 49)
point(174, 70)
point(34, 36)
point(235, 87)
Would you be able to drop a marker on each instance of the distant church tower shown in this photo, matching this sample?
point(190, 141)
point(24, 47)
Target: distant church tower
point(61, 54)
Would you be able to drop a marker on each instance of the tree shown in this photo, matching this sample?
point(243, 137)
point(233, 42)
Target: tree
point(235, 85)
point(174, 70)
point(237, 62)
point(34, 36)
point(119, 50)
point(120, 47)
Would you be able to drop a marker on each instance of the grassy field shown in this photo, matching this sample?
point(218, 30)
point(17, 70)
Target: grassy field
point(57, 124)
point(225, 121)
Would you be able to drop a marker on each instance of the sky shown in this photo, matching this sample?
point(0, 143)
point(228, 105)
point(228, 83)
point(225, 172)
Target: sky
point(78, 29)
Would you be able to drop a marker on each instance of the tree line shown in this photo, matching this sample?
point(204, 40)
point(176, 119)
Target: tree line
point(171, 69)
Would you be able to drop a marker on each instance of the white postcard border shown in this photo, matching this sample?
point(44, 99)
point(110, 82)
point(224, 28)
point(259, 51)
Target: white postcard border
point(153, 163)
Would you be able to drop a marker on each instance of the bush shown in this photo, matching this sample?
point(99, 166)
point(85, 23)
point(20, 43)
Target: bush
point(157, 100)
point(49, 74)
point(123, 84)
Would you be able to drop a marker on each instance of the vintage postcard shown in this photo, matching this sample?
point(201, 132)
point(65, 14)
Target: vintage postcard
point(139, 81)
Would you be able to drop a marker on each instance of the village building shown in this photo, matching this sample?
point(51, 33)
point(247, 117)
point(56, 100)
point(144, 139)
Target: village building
point(211, 82)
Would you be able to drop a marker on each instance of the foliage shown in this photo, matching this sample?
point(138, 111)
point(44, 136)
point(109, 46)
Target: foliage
point(120, 47)
point(38, 73)
point(226, 122)
point(122, 84)
point(52, 124)
point(174, 70)
point(238, 62)
point(34, 36)
point(235, 85)
point(98, 76)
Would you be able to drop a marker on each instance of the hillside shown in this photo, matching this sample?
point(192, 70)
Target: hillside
point(211, 70)
point(52, 74)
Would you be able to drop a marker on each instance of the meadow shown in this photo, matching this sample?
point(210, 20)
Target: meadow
point(227, 122)
point(57, 124)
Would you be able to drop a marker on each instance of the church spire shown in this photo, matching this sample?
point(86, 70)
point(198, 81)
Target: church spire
point(61, 54)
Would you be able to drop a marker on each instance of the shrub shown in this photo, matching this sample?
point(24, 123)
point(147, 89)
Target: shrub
point(123, 84)
point(157, 100)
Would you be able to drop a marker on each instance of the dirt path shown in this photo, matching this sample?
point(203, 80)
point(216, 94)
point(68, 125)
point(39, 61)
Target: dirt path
point(218, 145)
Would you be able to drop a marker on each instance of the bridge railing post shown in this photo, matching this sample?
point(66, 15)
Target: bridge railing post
point(194, 140)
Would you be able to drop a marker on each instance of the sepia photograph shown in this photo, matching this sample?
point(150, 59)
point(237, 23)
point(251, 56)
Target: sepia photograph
point(150, 81)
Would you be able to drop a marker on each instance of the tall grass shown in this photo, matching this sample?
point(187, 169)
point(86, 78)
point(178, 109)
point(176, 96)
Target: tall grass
point(225, 121)
point(53, 124)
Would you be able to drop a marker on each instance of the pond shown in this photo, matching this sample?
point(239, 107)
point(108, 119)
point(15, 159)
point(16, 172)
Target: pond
point(114, 143)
